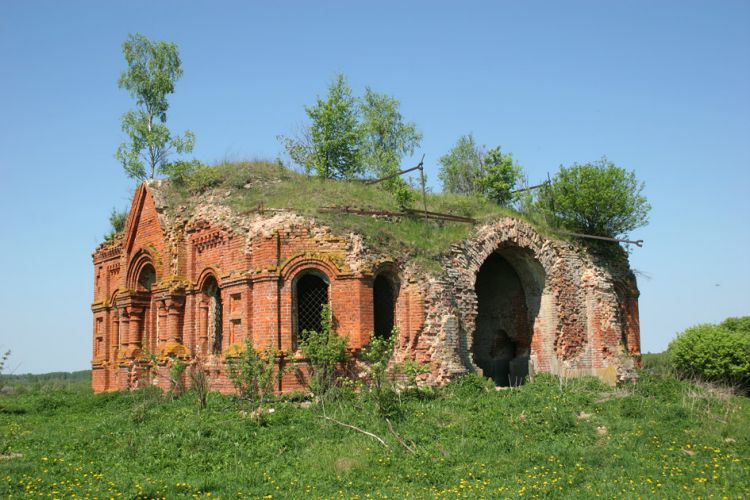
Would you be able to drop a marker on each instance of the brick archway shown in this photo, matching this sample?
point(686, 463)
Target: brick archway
point(210, 335)
point(509, 286)
point(533, 259)
point(138, 262)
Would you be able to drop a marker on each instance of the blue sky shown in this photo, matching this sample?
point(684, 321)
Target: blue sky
point(661, 88)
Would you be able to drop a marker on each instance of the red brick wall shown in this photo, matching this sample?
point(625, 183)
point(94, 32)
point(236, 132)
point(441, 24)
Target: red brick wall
point(257, 293)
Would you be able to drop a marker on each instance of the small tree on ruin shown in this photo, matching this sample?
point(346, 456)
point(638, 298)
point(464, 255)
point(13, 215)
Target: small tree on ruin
point(597, 198)
point(153, 69)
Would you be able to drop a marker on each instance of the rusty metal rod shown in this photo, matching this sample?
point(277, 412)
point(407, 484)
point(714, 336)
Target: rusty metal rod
point(638, 243)
point(528, 188)
point(405, 213)
point(402, 172)
point(441, 215)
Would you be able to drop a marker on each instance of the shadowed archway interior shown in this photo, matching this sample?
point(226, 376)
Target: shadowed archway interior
point(384, 303)
point(507, 307)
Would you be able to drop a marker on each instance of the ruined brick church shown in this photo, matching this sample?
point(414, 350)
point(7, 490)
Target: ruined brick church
point(195, 284)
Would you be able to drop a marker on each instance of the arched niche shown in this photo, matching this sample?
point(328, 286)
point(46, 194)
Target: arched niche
point(509, 286)
point(385, 290)
point(144, 284)
point(210, 315)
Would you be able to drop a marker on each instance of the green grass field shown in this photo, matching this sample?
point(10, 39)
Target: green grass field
point(550, 438)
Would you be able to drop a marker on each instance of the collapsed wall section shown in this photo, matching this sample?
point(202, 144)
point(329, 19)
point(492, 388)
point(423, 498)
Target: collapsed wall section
point(506, 283)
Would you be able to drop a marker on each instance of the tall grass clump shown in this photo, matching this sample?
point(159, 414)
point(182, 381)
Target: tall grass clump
point(714, 352)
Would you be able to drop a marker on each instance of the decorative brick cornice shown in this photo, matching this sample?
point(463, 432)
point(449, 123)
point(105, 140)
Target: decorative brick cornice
point(265, 277)
point(235, 280)
point(213, 239)
point(108, 250)
point(103, 305)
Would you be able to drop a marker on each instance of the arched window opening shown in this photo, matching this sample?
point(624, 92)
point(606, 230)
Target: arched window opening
point(214, 321)
point(146, 280)
point(116, 341)
point(311, 291)
point(384, 303)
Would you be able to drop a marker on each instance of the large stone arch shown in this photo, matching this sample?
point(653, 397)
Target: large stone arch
point(534, 259)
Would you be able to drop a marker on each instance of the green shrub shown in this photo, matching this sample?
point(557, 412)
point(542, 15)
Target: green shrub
point(3, 359)
point(719, 353)
point(176, 377)
point(596, 198)
point(470, 384)
point(144, 402)
point(254, 374)
point(203, 178)
point(325, 350)
point(741, 324)
point(117, 220)
point(381, 388)
point(199, 383)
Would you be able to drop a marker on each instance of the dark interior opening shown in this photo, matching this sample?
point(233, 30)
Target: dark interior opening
point(383, 307)
point(147, 277)
point(502, 339)
point(312, 295)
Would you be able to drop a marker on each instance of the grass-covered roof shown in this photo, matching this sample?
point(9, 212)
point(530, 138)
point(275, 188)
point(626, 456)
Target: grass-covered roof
point(246, 186)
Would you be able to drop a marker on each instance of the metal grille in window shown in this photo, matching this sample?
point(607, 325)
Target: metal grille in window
point(312, 294)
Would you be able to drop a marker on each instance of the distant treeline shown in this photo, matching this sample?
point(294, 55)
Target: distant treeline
point(44, 378)
point(69, 376)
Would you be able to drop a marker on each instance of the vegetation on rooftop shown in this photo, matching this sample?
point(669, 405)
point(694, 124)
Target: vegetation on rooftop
point(245, 186)
point(597, 198)
point(117, 220)
point(153, 69)
point(348, 138)
point(472, 169)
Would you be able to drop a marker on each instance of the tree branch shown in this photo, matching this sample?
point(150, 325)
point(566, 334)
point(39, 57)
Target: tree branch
point(410, 449)
point(379, 439)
